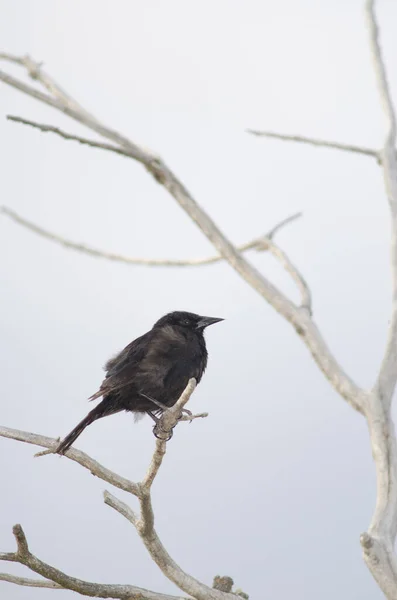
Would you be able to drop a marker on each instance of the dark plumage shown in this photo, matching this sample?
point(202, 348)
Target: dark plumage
point(152, 371)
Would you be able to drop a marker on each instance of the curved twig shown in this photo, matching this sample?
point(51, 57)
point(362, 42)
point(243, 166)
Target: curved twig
point(258, 244)
point(281, 256)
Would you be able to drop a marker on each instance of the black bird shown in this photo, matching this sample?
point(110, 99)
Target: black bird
point(151, 372)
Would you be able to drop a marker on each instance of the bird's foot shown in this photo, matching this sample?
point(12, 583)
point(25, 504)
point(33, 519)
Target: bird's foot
point(160, 434)
point(185, 415)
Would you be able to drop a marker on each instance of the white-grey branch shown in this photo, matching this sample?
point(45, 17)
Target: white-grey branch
point(144, 523)
point(73, 454)
point(58, 580)
point(316, 142)
point(378, 542)
point(28, 582)
point(163, 560)
point(388, 373)
point(259, 244)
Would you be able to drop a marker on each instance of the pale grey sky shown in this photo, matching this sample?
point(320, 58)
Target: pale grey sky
point(276, 486)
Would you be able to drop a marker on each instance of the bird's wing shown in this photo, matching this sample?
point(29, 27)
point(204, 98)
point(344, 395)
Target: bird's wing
point(120, 369)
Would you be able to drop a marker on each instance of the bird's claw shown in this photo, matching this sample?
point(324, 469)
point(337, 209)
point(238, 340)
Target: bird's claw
point(159, 433)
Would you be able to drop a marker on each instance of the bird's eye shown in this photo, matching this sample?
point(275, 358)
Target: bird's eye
point(186, 322)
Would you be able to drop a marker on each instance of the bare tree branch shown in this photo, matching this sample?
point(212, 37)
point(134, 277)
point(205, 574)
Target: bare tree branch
point(315, 142)
point(378, 542)
point(35, 72)
point(168, 421)
point(163, 560)
point(281, 256)
point(76, 455)
point(388, 373)
point(82, 117)
point(63, 581)
point(260, 244)
point(144, 523)
point(26, 581)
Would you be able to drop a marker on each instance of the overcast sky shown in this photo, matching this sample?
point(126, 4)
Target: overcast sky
point(275, 487)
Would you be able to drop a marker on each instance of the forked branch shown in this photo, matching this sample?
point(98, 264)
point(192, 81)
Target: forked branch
point(298, 318)
point(378, 542)
point(144, 523)
point(56, 579)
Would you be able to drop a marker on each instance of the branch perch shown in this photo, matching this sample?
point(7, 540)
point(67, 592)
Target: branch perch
point(76, 455)
point(144, 523)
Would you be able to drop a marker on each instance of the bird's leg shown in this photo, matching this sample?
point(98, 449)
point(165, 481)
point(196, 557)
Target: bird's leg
point(162, 406)
point(153, 416)
point(156, 402)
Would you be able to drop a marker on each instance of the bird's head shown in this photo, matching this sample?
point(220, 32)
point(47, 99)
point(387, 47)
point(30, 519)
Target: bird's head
point(186, 319)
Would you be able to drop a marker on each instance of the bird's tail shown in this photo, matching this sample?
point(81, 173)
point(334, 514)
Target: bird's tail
point(103, 409)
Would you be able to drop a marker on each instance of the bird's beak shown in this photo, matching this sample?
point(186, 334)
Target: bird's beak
point(206, 321)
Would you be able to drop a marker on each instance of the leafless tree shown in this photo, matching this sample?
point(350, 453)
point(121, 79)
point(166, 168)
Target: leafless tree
point(373, 404)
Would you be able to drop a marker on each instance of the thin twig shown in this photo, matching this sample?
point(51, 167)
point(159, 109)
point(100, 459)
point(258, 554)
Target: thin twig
point(316, 142)
point(68, 136)
point(26, 581)
point(281, 256)
point(258, 244)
